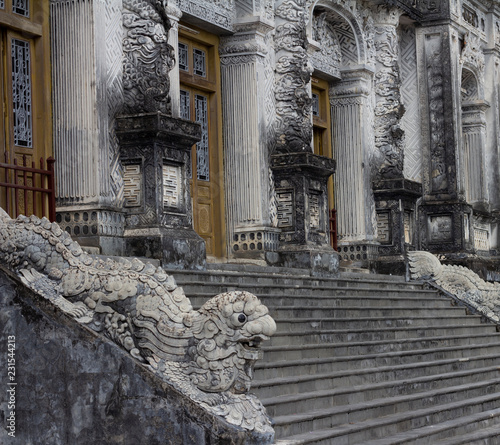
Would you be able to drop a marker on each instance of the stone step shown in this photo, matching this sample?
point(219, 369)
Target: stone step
point(221, 272)
point(366, 422)
point(479, 436)
point(306, 324)
point(287, 312)
point(478, 428)
point(362, 335)
point(293, 403)
point(210, 290)
point(352, 300)
point(300, 349)
point(288, 368)
point(294, 383)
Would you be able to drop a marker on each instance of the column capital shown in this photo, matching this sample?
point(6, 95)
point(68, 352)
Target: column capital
point(356, 81)
point(384, 15)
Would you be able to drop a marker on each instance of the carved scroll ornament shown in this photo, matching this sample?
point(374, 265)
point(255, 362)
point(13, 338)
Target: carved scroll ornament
point(207, 354)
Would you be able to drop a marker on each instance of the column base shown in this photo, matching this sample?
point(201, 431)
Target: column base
point(98, 230)
point(255, 243)
point(176, 248)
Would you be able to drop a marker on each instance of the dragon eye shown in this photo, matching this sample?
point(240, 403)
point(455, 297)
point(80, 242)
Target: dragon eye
point(242, 318)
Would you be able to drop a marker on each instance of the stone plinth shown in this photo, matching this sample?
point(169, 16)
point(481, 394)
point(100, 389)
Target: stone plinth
point(301, 190)
point(396, 221)
point(155, 152)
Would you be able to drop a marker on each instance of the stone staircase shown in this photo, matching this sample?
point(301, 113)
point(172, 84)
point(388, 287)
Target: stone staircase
point(367, 359)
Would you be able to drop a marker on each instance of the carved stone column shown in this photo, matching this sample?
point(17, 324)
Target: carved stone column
point(300, 176)
point(389, 136)
point(445, 217)
point(248, 128)
point(395, 196)
point(87, 91)
point(154, 146)
point(352, 133)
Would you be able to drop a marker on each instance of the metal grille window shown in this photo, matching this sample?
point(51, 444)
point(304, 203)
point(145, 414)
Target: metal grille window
point(21, 7)
point(199, 62)
point(315, 104)
point(183, 57)
point(201, 116)
point(185, 107)
point(21, 93)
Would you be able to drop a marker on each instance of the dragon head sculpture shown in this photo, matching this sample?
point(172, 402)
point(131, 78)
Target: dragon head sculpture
point(227, 332)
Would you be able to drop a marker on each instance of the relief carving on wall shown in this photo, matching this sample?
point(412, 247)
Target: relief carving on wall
point(293, 73)
point(148, 57)
point(206, 354)
point(389, 136)
point(437, 159)
point(473, 56)
point(329, 58)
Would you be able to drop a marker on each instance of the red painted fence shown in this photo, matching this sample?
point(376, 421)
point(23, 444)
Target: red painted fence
point(333, 228)
point(28, 189)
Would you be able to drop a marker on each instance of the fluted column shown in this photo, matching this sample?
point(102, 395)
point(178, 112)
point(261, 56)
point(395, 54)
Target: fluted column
point(352, 138)
point(86, 47)
point(174, 14)
point(248, 109)
point(473, 145)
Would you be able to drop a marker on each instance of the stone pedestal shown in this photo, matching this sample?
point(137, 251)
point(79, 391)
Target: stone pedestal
point(446, 227)
point(396, 222)
point(301, 189)
point(155, 152)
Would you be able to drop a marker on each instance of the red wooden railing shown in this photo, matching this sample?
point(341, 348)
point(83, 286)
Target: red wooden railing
point(333, 228)
point(28, 190)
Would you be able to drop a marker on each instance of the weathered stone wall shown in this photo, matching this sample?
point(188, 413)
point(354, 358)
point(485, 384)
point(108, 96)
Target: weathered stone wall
point(74, 387)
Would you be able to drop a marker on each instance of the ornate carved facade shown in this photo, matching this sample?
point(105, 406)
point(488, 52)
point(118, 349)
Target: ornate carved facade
point(413, 121)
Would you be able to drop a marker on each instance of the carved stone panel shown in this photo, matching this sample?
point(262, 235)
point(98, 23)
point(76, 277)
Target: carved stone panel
point(440, 228)
point(132, 179)
point(285, 208)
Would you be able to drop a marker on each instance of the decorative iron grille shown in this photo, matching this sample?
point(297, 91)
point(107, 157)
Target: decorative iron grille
point(202, 155)
point(315, 105)
point(183, 57)
point(199, 62)
point(21, 93)
point(185, 105)
point(21, 7)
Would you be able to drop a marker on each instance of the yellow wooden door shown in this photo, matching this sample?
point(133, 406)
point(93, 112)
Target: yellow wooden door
point(200, 102)
point(26, 126)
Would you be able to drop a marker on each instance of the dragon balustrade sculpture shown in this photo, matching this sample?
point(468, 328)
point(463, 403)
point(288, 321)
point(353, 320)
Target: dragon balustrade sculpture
point(207, 354)
point(459, 281)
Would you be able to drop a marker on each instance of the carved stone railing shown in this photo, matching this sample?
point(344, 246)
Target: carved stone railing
point(458, 281)
point(208, 354)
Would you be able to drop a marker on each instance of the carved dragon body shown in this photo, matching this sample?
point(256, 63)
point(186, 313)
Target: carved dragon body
point(459, 281)
point(208, 353)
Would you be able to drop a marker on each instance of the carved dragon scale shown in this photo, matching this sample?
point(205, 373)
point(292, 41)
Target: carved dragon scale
point(207, 354)
point(459, 281)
